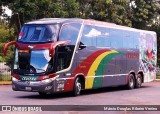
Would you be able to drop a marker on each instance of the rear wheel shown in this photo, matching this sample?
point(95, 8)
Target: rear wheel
point(131, 82)
point(139, 81)
point(77, 87)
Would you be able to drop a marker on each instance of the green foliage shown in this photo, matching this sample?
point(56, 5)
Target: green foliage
point(106, 10)
point(143, 13)
point(6, 35)
point(6, 77)
point(26, 10)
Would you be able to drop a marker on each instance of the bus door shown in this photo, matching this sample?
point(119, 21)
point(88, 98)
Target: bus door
point(64, 54)
point(63, 57)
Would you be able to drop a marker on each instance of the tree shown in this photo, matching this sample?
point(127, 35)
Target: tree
point(143, 13)
point(27, 10)
point(106, 10)
point(6, 35)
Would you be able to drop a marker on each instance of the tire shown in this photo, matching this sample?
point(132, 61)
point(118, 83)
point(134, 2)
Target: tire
point(138, 81)
point(77, 87)
point(131, 82)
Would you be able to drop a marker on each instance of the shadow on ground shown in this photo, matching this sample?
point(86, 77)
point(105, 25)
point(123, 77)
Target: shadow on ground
point(83, 93)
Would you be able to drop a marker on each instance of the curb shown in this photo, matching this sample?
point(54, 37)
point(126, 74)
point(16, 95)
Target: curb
point(5, 82)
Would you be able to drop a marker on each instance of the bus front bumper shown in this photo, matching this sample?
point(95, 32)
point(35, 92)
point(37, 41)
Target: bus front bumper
point(33, 86)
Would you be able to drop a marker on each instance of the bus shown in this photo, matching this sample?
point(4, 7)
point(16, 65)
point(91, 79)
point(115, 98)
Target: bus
point(72, 54)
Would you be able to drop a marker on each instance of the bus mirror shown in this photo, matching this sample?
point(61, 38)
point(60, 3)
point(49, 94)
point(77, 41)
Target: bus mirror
point(58, 43)
point(82, 46)
point(7, 45)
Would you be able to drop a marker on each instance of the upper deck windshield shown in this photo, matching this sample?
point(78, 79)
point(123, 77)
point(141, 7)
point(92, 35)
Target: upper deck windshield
point(38, 33)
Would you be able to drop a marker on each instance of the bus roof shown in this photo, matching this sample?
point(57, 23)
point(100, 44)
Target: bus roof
point(86, 21)
point(55, 20)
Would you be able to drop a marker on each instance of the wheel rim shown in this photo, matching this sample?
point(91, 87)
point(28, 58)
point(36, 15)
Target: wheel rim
point(78, 87)
point(139, 81)
point(131, 82)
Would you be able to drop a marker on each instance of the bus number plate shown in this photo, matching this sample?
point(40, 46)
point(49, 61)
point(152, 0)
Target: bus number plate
point(28, 88)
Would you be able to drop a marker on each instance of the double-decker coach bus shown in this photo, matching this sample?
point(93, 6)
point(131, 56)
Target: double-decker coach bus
point(59, 55)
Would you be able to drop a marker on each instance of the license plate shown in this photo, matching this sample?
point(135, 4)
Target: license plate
point(28, 88)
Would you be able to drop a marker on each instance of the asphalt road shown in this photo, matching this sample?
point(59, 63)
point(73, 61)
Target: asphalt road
point(148, 94)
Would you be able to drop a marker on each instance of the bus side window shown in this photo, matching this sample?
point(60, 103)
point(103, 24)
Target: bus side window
point(108, 39)
point(136, 38)
point(70, 32)
point(116, 38)
point(103, 39)
point(128, 41)
point(88, 36)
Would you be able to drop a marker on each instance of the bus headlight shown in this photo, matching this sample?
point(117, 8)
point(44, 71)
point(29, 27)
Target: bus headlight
point(50, 79)
point(14, 79)
point(46, 81)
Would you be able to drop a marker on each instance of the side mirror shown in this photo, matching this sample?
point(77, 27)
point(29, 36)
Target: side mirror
point(7, 45)
point(82, 46)
point(58, 43)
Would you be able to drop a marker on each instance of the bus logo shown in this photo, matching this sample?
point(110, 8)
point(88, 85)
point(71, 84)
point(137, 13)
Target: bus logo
point(31, 47)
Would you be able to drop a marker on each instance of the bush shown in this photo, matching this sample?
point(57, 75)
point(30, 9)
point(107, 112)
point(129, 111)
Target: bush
point(5, 77)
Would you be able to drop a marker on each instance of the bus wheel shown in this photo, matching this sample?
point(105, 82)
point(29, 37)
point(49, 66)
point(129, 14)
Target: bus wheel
point(131, 82)
point(139, 81)
point(77, 87)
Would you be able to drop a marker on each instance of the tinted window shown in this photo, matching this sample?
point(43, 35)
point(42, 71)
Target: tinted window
point(116, 38)
point(103, 39)
point(109, 37)
point(136, 38)
point(70, 32)
point(38, 33)
point(128, 41)
point(89, 35)
point(95, 36)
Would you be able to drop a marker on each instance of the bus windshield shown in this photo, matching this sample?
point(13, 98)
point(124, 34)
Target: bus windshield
point(38, 33)
point(33, 62)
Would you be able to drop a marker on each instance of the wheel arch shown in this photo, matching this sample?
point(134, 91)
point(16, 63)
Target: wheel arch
point(142, 74)
point(134, 74)
point(131, 72)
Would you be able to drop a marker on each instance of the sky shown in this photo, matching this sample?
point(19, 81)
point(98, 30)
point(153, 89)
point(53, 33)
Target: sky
point(7, 11)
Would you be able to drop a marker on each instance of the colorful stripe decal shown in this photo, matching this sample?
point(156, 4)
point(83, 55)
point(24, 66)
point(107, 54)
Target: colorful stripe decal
point(101, 68)
point(86, 64)
point(94, 65)
point(96, 68)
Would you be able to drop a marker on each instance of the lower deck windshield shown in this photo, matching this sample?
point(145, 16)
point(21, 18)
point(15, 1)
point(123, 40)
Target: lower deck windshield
point(32, 62)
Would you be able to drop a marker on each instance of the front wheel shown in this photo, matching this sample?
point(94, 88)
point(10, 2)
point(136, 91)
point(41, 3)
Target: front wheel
point(131, 82)
point(139, 81)
point(77, 87)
